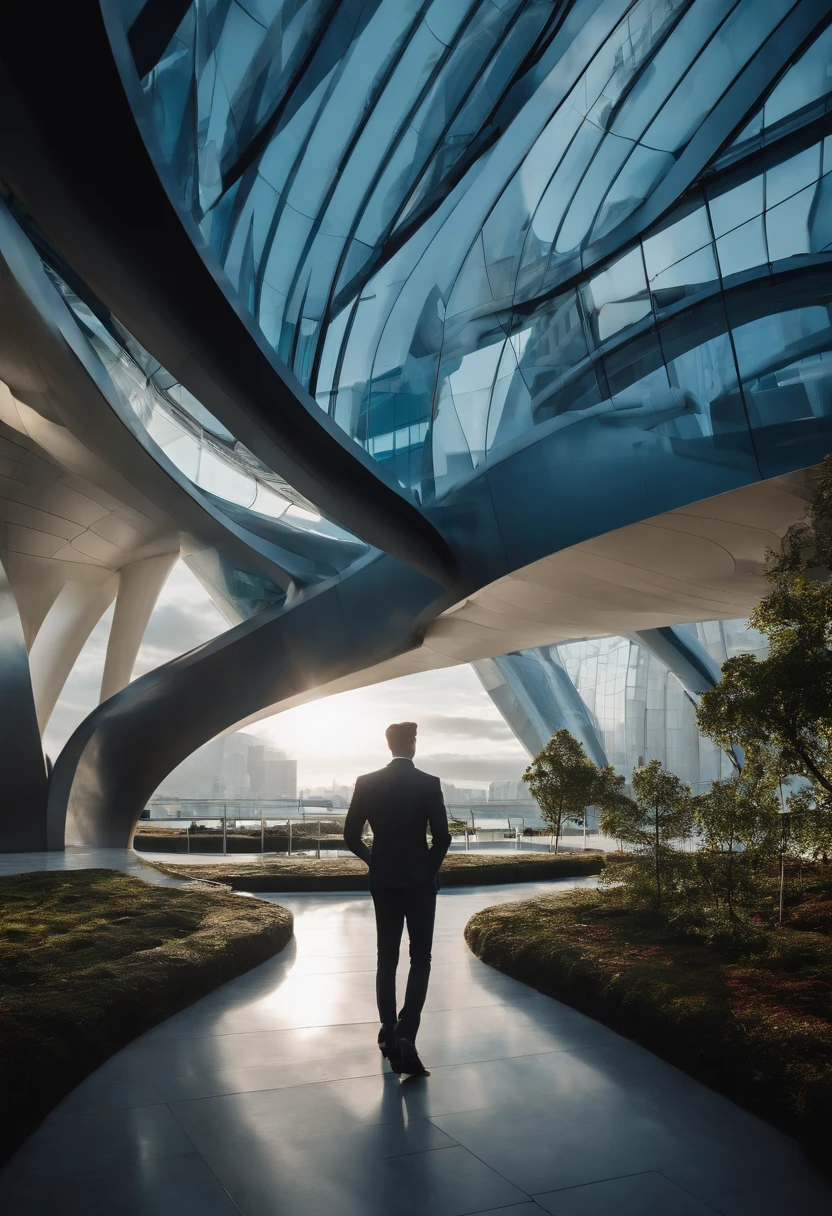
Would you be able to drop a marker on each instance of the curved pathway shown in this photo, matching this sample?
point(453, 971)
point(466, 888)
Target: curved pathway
point(269, 1097)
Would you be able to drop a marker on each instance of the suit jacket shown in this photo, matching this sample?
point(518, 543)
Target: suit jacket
point(399, 802)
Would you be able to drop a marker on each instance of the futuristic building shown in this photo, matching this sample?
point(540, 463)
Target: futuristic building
point(628, 699)
point(427, 332)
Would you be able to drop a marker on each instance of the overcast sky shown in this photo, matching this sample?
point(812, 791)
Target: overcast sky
point(462, 738)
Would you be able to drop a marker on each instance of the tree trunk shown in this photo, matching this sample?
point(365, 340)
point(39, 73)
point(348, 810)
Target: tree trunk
point(731, 916)
point(658, 865)
point(558, 826)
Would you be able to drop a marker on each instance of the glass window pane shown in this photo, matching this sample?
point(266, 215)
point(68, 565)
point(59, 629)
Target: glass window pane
point(685, 278)
point(787, 226)
point(713, 72)
point(733, 208)
point(618, 296)
point(676, 242)
point(809, 79)
point(743, 248)
point(792, 175)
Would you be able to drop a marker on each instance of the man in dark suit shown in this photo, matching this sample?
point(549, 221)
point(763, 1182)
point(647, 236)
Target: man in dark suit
point(400, 802)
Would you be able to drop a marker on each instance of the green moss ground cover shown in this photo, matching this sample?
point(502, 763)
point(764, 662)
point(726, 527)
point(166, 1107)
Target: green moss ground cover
point(749, 1012)
point(349, 874)
point(91, 958)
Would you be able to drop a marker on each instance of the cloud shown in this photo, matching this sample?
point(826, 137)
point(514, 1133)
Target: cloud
point(481, 770)
point(459, 727)
point(172, 630)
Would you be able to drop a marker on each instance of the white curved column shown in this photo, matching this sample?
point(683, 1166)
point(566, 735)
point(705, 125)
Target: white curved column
point(23, 786)
point(69, 622)
point(138, 589)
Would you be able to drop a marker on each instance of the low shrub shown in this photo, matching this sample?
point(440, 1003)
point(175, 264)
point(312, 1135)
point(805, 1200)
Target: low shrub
point(92, 958)
point(349, 874)
point(748, 1011)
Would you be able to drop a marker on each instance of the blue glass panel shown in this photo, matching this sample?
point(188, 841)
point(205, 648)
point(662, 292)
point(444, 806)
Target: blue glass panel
point(707, 376)
point(743, 248)
point(723, 58)
point(787, 226)
point(682, 46)
point(785, 365)
point(675, 242)
point(736, 206)
point(549, 350)
point(687, 277)
point(618, 297)
point(820, 219)
point(416, 234)
point(599, 176)
point(641, 173)
point(806, 82)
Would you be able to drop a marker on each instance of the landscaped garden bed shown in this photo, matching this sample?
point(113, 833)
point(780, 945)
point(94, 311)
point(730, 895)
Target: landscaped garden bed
point(747, 1009)
point(349, 874)
point(91, 958)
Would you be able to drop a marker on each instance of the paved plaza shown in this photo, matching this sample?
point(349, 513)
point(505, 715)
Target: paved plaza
point(269, 1098)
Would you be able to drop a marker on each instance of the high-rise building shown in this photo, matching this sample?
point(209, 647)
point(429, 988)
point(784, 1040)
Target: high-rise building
point(237, 766)
point(509, 791)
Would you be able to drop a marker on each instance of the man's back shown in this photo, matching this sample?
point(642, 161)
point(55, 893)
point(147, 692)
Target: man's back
point(400, 803)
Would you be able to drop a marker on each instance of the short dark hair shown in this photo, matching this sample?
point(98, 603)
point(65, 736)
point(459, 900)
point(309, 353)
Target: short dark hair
point(401, 735)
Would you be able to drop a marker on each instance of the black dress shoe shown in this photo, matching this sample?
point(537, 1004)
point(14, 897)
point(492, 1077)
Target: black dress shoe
point(387, 1042)
point(407, 1060)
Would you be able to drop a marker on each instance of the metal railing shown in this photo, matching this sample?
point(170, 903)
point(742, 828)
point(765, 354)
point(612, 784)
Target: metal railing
point(207, 825)
point(296, 827)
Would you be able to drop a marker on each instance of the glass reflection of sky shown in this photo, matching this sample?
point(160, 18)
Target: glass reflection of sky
point(410, 204)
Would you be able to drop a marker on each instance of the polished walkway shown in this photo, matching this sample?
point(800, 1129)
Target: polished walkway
point(269, 1098)
point(80, 857)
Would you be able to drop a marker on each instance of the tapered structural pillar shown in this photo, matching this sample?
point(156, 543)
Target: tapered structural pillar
point(23, 784)
point(138, 589)
point(61, 637)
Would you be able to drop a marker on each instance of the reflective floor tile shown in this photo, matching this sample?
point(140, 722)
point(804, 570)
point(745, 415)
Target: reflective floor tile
point(74, 1144)
point(174, 1186)
point(440, 1181)
point(639, 1195)
point(566, 1142)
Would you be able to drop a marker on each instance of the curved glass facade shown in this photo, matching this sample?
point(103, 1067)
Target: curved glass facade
point(619, 699)
point(181, 434)
point(431, 212)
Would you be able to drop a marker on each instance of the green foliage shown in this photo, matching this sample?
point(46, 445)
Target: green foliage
point(660, 812)
point(738, 821)
point(608, 794)
point(779, 709)
point(810, 826)
point(563, 781)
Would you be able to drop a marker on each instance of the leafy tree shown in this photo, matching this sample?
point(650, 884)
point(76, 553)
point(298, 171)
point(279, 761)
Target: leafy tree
point(810, 827)
point(608, 793)
point(739, 824)
point(779, 709)
point(563, 781)
point(660, 812)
